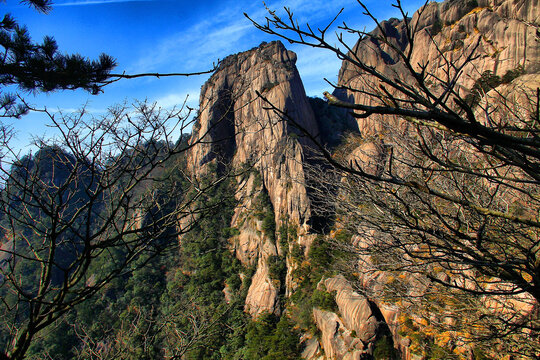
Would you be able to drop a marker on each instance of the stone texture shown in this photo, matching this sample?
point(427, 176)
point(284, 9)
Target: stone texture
point(312, 350)
point(262, 294)
point(236, 129)
point(504, 29)
point(336, 339)
point(355, 309)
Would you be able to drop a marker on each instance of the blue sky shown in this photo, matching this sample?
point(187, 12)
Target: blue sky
point(172, 36)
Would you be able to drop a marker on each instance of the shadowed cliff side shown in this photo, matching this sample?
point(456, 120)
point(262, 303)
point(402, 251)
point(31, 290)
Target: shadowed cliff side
point(240, 133)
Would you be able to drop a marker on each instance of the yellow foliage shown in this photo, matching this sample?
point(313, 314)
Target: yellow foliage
point(475, 10)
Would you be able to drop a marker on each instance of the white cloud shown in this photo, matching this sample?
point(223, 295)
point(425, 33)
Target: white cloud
point(225, 32)
point(177, 99)
point(87, 110)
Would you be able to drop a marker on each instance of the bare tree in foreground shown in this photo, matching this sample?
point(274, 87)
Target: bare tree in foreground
point(443, 201)
point(97, 202)
point(150, 329)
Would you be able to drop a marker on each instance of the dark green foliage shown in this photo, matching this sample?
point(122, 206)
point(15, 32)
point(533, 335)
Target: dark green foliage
point(283, 238)
point(483, 84)
point(277, 270)
point(268, 86)
point(269, 226)
point(264, 211)
point(512, 74)
point(287, 233)
point(42, 67)
point(322, 299)
point(480, 354)
point(472, 4)
point(308, 275)
point(297, 252)
point(119, 305)
point(436, 27)
point(205, 266)
point(59, 342)
point(384, 349)
point(487, 81)
point(257, 181)
point(423, 341)
point(271, 338)
point(320, 254)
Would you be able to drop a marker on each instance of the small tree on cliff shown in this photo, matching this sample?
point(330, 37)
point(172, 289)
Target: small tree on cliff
point(447, 189)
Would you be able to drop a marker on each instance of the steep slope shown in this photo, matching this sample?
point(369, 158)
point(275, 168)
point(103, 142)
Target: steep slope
point(239, 132)
point(503, 37)
point(272, 233)
point(272, 219)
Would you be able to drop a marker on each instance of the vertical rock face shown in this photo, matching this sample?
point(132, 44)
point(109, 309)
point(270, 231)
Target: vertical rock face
point(447, 32)
point(239, 131)
point(504, 30)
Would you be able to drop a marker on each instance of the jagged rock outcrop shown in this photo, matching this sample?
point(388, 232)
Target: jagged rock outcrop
point(350, 333)
point(506, 32)
point(354, 308)
point(313, 350)
point(337, 341)
point(268, 154)
point(238, 130)
point(263, 294)
point(448, 32)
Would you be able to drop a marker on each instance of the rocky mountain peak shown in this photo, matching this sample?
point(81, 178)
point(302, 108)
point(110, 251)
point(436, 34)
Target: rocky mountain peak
point(447, 32)
point(239, 131)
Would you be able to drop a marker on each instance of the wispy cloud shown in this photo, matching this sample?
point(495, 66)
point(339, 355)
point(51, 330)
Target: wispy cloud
point(314, 10)
point(198, 46)
point(93, 2)
point(189, 98)
point(87, 110)
point(225, 32)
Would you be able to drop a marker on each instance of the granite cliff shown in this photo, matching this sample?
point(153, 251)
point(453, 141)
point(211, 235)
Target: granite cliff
point(243, 134)
point(446, 33)
point(269, 156)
